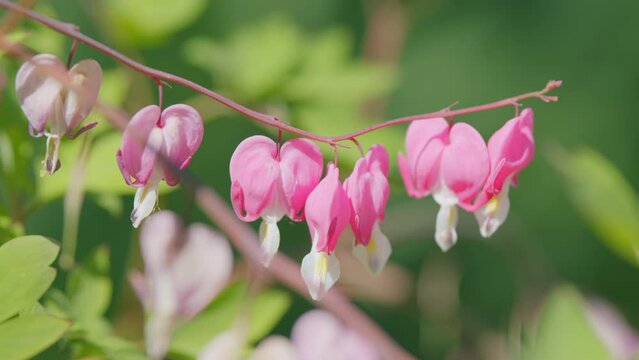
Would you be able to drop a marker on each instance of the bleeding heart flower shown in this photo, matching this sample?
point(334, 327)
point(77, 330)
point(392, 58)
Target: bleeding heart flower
point(511, 148)
point(157, 145)
point(451, 163)
point(320, 335)
point(270, 183)
point(328, 211)
point(367, 188)
point(55, 100)
point(184, 270)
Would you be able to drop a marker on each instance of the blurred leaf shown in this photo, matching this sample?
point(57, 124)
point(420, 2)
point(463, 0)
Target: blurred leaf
point(24, 337)
point(9, 230)
point(110, 347)
point(604, 198)
point(266, 309)
point(24, 272)
point(254, 61)
point(563, 331)
point(149, 22)
point(89, 287)
point(41, 38)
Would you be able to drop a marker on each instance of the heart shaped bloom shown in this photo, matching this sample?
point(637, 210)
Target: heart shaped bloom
point(367, 188)
point(451, 162)
point(55, 100)
point(328, 212)
point(268, 182)
point(511, 148)
point(184, 270)
point(157, 145)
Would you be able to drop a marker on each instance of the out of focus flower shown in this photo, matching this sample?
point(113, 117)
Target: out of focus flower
point(184, 270)
point(157, 145)
point(511, 148)
point(328, 212)
point(55, 100)
point(270, 182)
point(367, 188)
point(451, 162)
point(621, 340)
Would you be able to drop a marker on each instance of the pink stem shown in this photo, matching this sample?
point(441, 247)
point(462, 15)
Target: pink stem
point(72, 31)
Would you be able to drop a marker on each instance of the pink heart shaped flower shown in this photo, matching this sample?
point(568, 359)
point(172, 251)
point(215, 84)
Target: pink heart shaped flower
point(55, 99)
point(157, 145)
point(270, 183)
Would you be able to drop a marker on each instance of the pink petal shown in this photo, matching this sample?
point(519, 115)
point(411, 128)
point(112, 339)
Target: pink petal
point(38, 85)
point(328, 210)
point(425, 140)
point(136, 157)
point(254, 176)
point(368, 191)
point(511, 149)
point(85, 78)
point(138, 283)
point(201, 269)
point(465, 164)
point(182, 132)
point(160, 240)
point(301, 166)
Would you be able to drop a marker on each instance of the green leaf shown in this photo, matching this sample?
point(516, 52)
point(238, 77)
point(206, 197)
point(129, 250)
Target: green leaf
point(264, 311)
point(24, 272)
point(604, 198)
point(89, 287)
point(563, 331)
point(149, 22)
point(24, 337)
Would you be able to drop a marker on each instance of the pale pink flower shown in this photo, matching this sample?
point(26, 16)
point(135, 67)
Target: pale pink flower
point(328, 212)
point(367, 188)
point(449, 162)
point(511, 148)
point(319, 335)
point(157, 145)
point(184, 270)
point(268, 182)
point(55, 100)
point(621, 340)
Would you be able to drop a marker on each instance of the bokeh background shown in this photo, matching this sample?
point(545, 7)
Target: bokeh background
point(333, 66)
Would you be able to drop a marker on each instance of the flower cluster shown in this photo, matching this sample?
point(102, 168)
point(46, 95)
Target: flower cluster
point(453, 163)
point(271, 181)
point(450, 161)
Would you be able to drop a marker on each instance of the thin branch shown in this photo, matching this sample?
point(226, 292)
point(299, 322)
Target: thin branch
point(72, 31)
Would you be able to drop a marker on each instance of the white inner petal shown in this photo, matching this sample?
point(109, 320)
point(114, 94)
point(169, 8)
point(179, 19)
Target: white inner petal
point(374, 255)
point(320, 271)
point(445, 233)
point(269, 240)
point(145, 200)
point(494, 213)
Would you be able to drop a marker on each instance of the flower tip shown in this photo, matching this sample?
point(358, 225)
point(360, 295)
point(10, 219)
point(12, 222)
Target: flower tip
point(374, 255)
point(320, 272)
point(269, 241)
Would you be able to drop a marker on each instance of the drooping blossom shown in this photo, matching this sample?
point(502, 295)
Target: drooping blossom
point(621, 340)
point(449, 162)
point(157, 145)
point(511, 148)
point(184, 270)
point(316, 335)
point(367, 188)
point(328, 212)
point(270, 183)
point(319, 335)
point(56, 100)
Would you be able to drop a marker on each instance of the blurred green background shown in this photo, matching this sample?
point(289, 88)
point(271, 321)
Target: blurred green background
point(333, 66)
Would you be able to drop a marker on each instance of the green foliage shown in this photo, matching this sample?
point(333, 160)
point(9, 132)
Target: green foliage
point(604, 198)
point(149, 22)
point(24, 272)
point(563, 331)
point(261, 312)
point(26, 336)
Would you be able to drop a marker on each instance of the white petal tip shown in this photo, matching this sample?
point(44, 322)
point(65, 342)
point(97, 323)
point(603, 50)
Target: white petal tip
point(144, 203)
point(374, 255)
point(320, 272)
point(269, 241)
